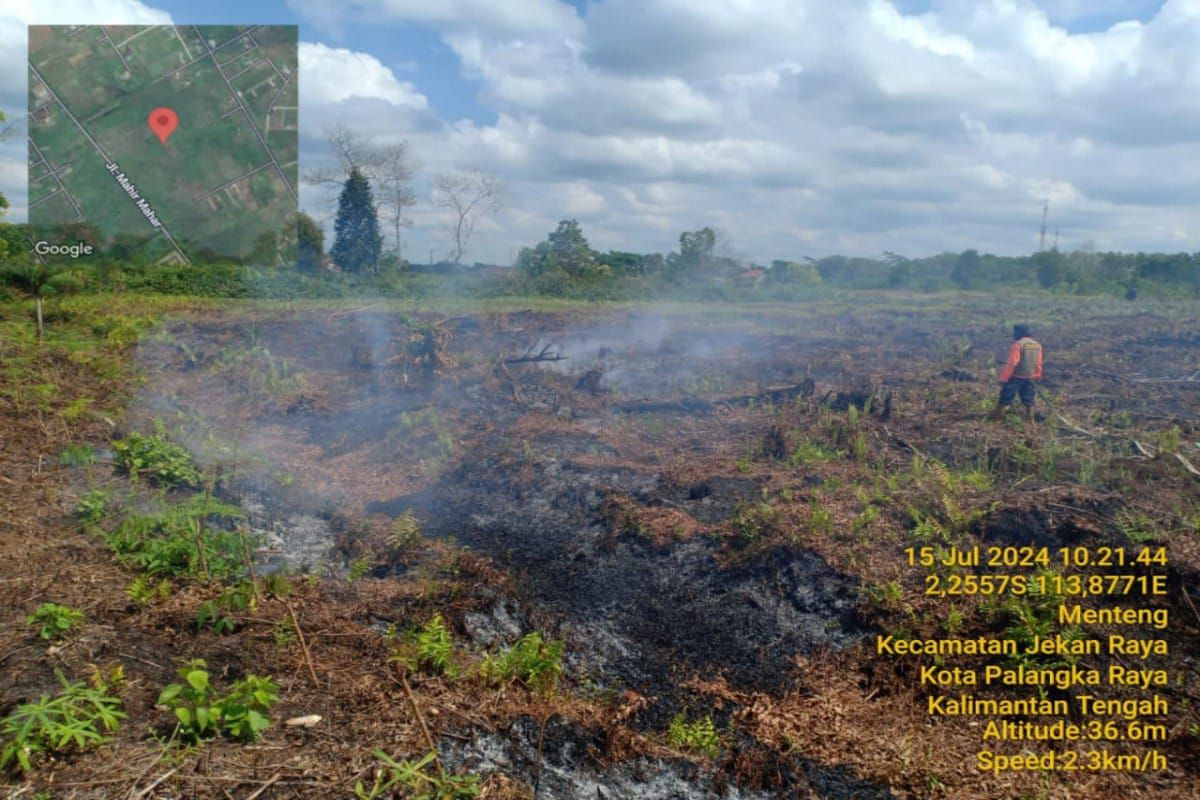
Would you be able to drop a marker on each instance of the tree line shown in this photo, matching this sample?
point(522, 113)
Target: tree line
point(565, 264)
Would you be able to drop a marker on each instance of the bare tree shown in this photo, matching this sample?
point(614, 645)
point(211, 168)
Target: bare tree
point(386, 166)
point(395, 188)
point(350, 150)
point(470, 195)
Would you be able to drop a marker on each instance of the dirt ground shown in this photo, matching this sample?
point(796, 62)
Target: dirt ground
point(709, 506)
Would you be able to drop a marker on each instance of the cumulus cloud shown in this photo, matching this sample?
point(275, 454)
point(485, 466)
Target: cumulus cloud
point(799, 127)
point(852, 125)
point(332, 74)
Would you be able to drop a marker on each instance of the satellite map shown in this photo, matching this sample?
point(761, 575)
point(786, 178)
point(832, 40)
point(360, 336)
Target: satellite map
point(171, 142)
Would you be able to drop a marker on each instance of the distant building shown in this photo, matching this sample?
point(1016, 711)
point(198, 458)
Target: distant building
point(749, 278)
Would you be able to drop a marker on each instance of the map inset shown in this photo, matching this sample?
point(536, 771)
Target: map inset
point(221, 182)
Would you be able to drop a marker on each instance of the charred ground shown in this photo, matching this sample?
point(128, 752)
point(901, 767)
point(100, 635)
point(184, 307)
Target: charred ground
point(707, 505)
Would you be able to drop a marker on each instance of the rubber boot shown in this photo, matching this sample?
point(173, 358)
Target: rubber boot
point(1028, 413)
point(996, 413)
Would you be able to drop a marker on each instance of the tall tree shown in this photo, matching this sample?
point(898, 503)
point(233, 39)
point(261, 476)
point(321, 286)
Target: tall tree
point(394, 179)
point(967, 270)
point(356, 242)
point(1052, 269)
point(386, 166)
point(310, 243)
point(695, 251)
point(564, 254)
point(470, 195)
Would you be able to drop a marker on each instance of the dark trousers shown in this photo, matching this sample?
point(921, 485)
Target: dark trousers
point(1017, 386)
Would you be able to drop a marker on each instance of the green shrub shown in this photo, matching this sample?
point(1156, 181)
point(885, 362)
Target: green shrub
point(55, 620)
point(93, 506)
point(234, 598)
point(178, 541)
point(820, 519)
point(532, 660)
point(76, 717)
point(699, 736)
point(202, 714)
point(162, 462)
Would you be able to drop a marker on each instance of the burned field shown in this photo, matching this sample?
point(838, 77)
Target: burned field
point(709, 509)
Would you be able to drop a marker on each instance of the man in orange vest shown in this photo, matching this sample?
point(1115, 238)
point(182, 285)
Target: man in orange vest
point(1023, 367)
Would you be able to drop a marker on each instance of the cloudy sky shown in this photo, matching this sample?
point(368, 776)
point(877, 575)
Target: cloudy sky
point(795, 127)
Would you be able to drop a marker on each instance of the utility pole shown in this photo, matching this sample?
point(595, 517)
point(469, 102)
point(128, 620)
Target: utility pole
point(1056, 239)
point(1042, 240)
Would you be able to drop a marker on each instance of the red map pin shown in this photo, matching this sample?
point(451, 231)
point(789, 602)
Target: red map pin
point(163, 122)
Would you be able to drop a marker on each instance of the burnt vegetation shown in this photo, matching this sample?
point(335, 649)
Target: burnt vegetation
point(335, 549)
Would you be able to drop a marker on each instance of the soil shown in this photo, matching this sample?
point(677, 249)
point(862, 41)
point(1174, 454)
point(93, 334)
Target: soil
point(698, 506)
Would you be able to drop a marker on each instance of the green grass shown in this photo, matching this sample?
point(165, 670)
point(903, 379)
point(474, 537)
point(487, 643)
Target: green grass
point(752, 522)
point(416, 780)
point(76, 455)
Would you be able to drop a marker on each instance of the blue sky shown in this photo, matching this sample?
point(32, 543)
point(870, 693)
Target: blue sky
point(795, 128)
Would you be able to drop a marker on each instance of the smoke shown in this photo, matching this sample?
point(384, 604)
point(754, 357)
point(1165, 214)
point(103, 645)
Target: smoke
point(653, 353)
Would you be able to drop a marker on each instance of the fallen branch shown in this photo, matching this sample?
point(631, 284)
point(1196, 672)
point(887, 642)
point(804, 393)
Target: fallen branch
point(1193, 378)
point(441, 322)
point(1192, 605)
point(270, 782)
point(1187, 465)
point(412, 702)
point(1141, 448)
point(542, 356)
point(312, 673)
point(1109, 375)
point(1075, 427)
point(133, 789)
point(156, 782)
point(518, 397)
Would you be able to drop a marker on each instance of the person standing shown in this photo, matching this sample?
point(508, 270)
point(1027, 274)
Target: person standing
point(1017, 378)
